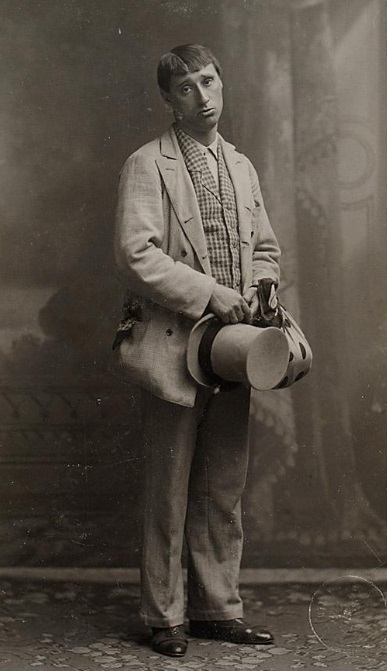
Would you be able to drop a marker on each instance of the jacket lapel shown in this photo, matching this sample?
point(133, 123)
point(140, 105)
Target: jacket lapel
point(182, 195)
point(239, 173)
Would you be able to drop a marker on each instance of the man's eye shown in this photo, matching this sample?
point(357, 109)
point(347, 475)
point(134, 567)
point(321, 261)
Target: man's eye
point(208, 81)
point(185, 90)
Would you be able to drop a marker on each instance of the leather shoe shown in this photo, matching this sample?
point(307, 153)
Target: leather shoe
point(233, 631)
point(170, 641)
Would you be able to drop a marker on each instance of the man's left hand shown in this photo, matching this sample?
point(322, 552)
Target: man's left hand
point(251, 298)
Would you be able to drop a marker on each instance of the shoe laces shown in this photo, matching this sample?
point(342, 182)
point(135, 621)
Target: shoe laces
point(174, 630)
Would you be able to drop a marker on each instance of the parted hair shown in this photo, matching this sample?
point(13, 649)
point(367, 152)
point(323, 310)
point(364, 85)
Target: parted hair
point(183, 59)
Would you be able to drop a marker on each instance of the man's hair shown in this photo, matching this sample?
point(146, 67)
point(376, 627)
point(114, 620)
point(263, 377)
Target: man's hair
point(183, 59)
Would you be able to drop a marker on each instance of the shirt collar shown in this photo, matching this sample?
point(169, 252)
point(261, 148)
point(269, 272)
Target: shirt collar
point(213, 147)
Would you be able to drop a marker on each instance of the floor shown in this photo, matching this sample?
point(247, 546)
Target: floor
point(84, 626)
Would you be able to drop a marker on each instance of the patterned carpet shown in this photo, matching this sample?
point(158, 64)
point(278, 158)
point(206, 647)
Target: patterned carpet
point(95, 627)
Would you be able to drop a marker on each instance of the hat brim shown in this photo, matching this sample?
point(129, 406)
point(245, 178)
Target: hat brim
point(194, 340)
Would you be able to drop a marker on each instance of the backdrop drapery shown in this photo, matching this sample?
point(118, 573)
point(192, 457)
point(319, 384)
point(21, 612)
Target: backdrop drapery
point(290, 128)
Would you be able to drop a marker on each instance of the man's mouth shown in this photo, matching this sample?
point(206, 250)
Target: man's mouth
point(207, 111)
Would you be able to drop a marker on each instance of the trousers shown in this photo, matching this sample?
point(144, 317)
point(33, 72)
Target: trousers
point(195, 473)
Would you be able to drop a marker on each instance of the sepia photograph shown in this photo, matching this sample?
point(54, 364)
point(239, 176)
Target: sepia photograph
point(193, 373)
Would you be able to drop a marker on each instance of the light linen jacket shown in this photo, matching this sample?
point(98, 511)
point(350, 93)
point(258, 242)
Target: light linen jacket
point(161, 252)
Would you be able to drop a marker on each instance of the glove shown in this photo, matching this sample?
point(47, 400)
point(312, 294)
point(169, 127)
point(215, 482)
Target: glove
point(132, 314)
point(269, 312)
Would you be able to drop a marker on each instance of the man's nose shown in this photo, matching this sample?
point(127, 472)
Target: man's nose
point(202, 95)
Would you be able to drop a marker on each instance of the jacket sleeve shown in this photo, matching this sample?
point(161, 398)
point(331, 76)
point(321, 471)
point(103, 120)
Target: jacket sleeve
point(140, 238)
point(266, 252)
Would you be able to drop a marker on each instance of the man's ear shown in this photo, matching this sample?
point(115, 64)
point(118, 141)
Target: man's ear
point(167, 102)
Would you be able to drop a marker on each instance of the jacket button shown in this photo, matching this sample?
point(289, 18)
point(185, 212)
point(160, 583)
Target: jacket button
point(169, 332)
point(183, 252)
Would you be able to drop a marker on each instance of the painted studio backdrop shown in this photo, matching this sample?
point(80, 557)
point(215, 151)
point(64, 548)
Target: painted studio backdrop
point(303, 99)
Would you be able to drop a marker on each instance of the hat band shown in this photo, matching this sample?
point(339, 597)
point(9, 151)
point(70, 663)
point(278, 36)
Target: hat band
point(205, 346)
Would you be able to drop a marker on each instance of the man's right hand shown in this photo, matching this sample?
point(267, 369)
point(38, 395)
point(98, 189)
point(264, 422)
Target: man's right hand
point(229, 306)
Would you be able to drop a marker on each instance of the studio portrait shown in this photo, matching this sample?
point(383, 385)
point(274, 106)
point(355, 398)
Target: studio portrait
point(193, 335)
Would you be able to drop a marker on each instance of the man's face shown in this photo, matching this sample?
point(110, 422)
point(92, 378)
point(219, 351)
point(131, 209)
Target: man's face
point(196, 98)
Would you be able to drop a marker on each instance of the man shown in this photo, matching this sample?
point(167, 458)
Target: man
point(192, 237)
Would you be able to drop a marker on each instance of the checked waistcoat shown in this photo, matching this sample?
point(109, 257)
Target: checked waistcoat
point(218, 211)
